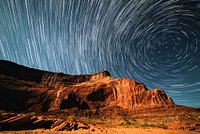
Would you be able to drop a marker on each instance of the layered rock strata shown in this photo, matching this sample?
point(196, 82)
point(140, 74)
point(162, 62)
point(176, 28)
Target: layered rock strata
point(26, 89)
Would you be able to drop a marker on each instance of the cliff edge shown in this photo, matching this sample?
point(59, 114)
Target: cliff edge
point(27, 89)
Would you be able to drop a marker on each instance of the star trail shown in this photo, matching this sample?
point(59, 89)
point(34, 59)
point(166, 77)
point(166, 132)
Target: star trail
point(156, 42)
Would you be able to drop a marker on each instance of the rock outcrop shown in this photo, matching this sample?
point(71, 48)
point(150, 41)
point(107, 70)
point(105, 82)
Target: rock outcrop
point(13, 121)
point(26, 89)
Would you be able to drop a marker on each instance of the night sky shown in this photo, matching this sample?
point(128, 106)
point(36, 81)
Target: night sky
point(156, 42)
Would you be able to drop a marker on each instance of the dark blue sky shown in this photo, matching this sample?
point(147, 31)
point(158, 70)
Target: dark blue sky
point(155, 42)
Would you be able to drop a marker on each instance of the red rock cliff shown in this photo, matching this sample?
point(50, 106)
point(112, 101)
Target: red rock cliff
point(23, 88)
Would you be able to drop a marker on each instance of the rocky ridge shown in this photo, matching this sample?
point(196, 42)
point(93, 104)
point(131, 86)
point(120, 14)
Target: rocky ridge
point(27, 89)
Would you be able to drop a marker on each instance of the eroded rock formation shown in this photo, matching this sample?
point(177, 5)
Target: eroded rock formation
point(26, 89)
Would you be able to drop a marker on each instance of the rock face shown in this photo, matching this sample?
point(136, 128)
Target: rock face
point(26, 89)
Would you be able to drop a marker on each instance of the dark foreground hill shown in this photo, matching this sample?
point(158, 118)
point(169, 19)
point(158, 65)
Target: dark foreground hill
point(45, 99)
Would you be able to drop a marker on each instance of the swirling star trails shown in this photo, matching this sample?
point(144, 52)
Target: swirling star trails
point(155, 42)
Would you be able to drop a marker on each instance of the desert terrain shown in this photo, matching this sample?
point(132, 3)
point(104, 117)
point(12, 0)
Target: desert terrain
point(36, 101)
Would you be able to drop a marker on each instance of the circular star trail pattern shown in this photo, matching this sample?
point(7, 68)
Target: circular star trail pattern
point(156, 42)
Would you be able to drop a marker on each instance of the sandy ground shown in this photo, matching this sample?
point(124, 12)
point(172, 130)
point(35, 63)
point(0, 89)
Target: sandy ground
point(151, 131)
point(106, 130)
